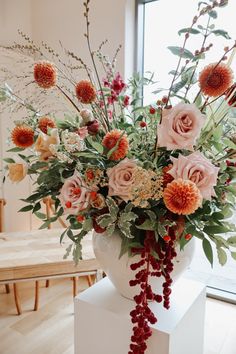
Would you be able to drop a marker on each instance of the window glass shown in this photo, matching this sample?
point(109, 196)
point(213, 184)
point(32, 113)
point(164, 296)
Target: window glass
point(163, 20)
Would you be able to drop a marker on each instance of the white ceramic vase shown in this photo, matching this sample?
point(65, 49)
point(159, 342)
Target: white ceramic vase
point(107, 250)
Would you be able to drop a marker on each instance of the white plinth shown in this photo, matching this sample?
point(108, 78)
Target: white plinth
point(102, 322)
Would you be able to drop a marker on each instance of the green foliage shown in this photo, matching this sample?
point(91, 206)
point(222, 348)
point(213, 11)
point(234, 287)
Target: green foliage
point(222, 33)
point(208, 250)
point(125, 222)
point(222, 256)
point(189, 30)
point(184, 53)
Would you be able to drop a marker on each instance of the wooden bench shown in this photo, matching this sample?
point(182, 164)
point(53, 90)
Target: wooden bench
point(38, 255)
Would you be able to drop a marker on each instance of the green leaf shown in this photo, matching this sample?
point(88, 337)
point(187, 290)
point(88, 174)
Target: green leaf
point(37, 207)
point(62, 236)
point(208, 250)
point(222, 256)
point(221, 33)
point(77, 253)
point(184, 53)
point(151, 215)
point(188, 30)
point(95, 145)
point(39, 215)
point(68, 251)
point(26, 208)
point(104, 220)
point(161, 229)
point(233, 255)
point(15, 149)
point(110, 230)
point(124, 223)
point(215, 229)
point(9, 160)
point(232, 241)
point(88, 225)
point(45, 225)
point(179, 85)
point(147, 225)
point(113, 208)
point(213, 14)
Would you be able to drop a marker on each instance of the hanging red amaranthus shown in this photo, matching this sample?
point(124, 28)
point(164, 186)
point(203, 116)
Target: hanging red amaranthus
point(142, 316)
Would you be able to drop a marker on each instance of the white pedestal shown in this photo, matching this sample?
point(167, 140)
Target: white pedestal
point(103, 326)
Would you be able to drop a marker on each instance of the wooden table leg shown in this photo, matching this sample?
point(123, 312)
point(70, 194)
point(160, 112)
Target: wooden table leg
point(7, 287)
point(47, 283)
point(74, 286)
point(89, 280)
point(36, 299)
point(17, 300)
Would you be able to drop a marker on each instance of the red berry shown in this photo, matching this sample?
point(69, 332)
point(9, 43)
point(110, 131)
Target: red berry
point(68, 204)
point(97, 227)
point(164, 99)
point(143, 124)
point(188, 237)
point(166, 238)
point(152, 110)
point(80, 218)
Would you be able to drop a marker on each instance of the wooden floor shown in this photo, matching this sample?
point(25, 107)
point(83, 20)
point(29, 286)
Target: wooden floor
point(50, 330)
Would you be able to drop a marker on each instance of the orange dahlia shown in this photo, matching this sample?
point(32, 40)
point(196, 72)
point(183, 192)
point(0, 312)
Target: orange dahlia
point(85, 92)
point(45, 123)
point(215, 79)
point(22, 136)
point(182, 197)
point(45, 74)
point(119, 138)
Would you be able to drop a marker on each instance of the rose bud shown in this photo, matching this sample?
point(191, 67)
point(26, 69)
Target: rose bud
point(93, 127)
point(86, 115)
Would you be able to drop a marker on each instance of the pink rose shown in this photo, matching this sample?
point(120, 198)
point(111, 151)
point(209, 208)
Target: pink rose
point(180, 127)
point(75, 194)
point(121, 178)
point(198, 169)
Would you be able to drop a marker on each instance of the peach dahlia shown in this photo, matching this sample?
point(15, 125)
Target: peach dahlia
point(44, 123)
point(182, 197)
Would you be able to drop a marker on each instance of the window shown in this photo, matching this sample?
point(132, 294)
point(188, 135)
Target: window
point(159, 23)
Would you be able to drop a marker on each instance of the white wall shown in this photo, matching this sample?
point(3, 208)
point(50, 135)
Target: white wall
point(51, 21)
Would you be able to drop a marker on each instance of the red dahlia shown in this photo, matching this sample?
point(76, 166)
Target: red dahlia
point(22, 136)
point(85, 92)
point(215, 79)
point(45, 74)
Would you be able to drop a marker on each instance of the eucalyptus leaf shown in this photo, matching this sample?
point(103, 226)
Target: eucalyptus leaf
point(208, 250)
point(215, 229)
point(25, 209)
point(9, 160)
point(221, 33)
point(233, 255)
point(232, 241)
point(184, 53)
point(189, 30)
point(222, 256)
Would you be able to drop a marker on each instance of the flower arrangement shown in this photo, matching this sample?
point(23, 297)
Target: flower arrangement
point(159, 174)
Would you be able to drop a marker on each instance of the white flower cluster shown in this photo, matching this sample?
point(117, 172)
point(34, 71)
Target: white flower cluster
point(61, 156)
point(72, 141)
